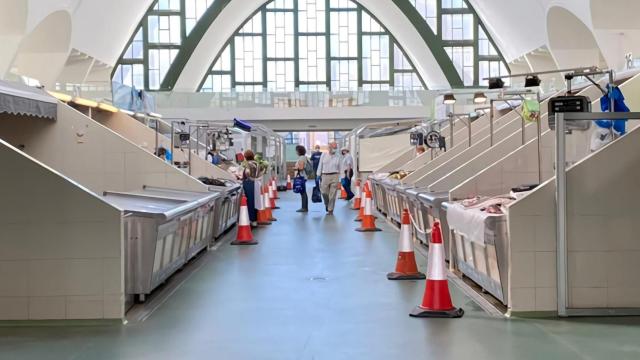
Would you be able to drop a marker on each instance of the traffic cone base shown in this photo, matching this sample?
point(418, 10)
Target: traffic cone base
point(419, 312)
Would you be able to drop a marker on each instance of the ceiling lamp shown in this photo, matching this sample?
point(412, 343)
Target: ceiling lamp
point(532, 81)
point(60, 96)
point(495, 83)
point(449, 99)
point(107, 107)
point(479, 98)
point(85, 102)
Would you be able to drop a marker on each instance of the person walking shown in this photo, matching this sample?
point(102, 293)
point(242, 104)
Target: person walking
point(250, 172)
point(347, 171)
point(329, 172)
point(301, 164)
point(315, 161)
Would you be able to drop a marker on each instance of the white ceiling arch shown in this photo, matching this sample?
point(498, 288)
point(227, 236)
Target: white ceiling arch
point(237, 12)
point(571, 41)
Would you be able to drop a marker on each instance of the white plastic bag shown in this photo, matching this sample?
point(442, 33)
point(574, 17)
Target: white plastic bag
point(600, 138)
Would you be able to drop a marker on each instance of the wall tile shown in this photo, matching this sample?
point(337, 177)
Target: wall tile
point(14, 277)
point(47, 277)
point(523, 269)
point(583, 297)
point(113, 307)
point(546, 299)
point(112, 276)
point(523, 299)
point(623, 297)
point(47, 308)
point(546, 274)
point(14, 308)
point(84, 277)
point(587, 269)
point(85, 307)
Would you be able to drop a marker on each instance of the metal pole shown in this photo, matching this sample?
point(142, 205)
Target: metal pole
point(158, 135)
point(451, 121)
point(172, 132)
point(491, 115)
point(561, 215)
point(197, 141)
point(539, 130)
point(469, 130)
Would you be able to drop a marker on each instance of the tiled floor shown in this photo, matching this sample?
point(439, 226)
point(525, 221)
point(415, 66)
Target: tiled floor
point(315, 289)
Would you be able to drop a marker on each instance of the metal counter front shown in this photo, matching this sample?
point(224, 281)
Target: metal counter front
point(394, 210)
point(160, 233)
point(419, 212)
point(432, 204)
point(484, 258)
point(201, 235)
point(228, 207)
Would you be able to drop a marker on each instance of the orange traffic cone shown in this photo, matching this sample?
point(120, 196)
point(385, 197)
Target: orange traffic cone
point(264, 218)
point(406, 267)
point(267, 204)
point(289, 184)
point(368, 220)
point(244, 236)
point(357, 200)
point(343, 193)
point(437, 299)
point(272, 196)
point(361, 213)
point(274, 185)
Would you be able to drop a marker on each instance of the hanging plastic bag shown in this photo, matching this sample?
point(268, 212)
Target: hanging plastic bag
point(531, 110)
point(600, 138)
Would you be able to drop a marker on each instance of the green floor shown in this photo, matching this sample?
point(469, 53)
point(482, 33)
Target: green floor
point(315, 289)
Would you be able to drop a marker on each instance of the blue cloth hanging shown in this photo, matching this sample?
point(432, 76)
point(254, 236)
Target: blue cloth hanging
point(619, 126)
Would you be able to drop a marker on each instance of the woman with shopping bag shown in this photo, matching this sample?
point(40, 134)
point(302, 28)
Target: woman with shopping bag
point(300, 180)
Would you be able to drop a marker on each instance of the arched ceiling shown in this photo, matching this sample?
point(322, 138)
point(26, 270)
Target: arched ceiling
point(570, 40)
point(101, 28)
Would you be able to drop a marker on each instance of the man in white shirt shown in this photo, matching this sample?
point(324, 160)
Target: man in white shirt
point(347, 171)
point(329, 171)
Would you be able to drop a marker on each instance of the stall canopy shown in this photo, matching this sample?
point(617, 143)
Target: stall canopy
point(21, 99)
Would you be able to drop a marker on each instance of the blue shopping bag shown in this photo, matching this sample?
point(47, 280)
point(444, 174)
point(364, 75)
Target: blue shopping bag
point(299, 184)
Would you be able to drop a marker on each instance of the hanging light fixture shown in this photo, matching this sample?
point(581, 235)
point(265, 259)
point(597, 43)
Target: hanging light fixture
point(532, 81)
point(479, 98)
point(496, 83)
point(449, 99)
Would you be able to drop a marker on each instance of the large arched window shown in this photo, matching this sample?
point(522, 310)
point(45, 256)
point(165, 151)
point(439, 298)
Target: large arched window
point(157, 41)
point(308, 45)
point(464, 38)
point(311, 45)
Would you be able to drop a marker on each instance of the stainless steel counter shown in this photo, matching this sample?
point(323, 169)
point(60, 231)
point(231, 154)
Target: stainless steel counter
point(228, 205)
point(484, 260)
point(159, 234)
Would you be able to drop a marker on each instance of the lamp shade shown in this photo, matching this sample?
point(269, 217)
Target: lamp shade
point(449, 99)
point(532, 81)
point(479, 98)
point(496, 83)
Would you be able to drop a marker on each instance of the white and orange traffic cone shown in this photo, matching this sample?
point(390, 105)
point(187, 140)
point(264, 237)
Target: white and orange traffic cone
point(361, 212)
point(274, 185)
point(406, 266)
point(244, 236)
point(267, 206)
point(368, 220)
point(264, 218)
point(343, 193)
point(437, 299)
point(357, 199)
point(289, 184)
point(272, 196)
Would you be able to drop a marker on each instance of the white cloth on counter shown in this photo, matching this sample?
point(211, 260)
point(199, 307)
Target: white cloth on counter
point(468, 222)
